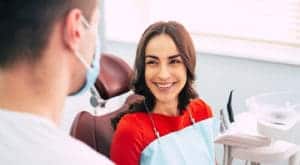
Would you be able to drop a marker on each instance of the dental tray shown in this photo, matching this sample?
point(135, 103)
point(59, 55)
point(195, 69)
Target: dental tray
point(242, 133)
point(242, 140)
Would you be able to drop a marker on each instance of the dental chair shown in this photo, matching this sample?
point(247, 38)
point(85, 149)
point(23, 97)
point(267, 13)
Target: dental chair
point(114, 80)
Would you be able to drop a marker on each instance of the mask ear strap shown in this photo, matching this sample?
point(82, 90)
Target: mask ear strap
point(85, 22)
point(82, 60)
point(86, 25)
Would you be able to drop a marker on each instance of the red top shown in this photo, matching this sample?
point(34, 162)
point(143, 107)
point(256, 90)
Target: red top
point(134, 131)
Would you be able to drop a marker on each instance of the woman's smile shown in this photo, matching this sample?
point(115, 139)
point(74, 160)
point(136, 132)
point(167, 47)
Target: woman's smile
point(164, 86)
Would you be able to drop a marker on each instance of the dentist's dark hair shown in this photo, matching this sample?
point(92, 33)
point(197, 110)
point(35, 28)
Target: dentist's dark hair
point(187, 52)
point(25, 26)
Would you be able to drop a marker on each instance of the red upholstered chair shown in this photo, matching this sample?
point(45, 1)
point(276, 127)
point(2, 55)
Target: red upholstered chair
point(114, 79)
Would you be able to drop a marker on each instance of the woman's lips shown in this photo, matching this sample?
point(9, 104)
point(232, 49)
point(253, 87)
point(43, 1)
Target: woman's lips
point(164, 86)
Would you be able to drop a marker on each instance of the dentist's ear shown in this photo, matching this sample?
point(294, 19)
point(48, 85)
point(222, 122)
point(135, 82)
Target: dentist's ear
point(73, 29)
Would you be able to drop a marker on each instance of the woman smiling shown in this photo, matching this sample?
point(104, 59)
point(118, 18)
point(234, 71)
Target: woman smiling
point(172, 125)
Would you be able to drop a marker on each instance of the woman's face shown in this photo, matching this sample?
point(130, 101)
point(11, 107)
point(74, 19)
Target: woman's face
point(165, 72)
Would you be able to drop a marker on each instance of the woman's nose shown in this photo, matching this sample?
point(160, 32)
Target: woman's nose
point(164, 72)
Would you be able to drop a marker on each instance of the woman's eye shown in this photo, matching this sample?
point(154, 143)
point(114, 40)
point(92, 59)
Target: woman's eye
point(150, 62)
point(175, 61)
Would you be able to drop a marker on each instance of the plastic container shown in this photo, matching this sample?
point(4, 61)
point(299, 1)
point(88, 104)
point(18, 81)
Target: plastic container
point(278, 114)
point(275, 107)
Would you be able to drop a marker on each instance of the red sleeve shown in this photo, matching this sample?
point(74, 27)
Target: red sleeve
point(126, 144)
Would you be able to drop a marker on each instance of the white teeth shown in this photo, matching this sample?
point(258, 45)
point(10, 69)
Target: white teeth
point(164, 85)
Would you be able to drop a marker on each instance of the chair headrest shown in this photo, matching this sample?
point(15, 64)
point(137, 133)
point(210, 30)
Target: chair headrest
point(97, 131)
point(114, 78)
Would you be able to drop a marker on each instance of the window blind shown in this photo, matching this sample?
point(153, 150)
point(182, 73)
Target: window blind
point(271, 23)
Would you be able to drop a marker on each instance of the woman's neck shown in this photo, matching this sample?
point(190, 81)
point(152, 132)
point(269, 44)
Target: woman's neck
point(169, 108)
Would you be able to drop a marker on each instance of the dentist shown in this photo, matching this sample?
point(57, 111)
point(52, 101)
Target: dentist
point(48, 51)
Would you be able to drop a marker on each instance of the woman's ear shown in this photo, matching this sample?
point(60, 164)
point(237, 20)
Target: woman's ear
point(73, 29)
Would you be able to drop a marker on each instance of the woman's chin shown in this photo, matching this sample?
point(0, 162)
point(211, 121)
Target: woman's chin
point(166, 99)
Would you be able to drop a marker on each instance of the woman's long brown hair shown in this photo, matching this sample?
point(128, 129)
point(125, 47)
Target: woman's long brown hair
point(187, 52)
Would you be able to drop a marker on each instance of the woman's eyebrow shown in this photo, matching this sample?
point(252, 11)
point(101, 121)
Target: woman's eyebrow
point(170, 57)
point(174, 56)
point(152, 56)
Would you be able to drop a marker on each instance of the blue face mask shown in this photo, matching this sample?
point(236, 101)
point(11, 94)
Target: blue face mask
point(92, 70)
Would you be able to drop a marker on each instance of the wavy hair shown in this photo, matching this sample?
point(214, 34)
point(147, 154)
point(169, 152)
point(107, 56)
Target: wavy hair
point(186, 49)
